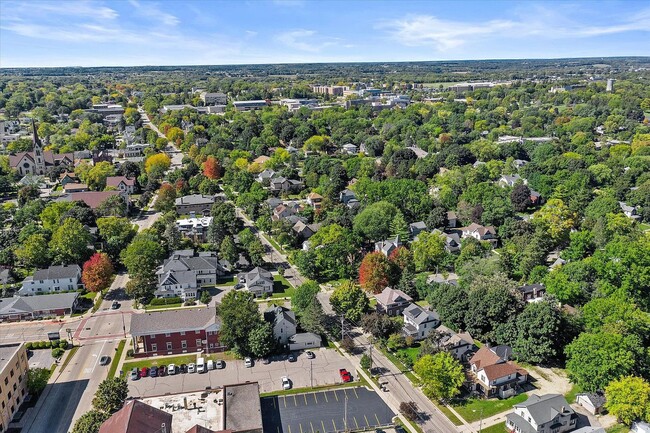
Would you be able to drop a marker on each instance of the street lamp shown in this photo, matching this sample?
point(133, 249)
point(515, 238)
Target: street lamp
point(480, 425)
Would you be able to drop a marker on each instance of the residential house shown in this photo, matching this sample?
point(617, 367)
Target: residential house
point(460, 345)
point(284, 211)
point(258, 281)
point(419, 322)
point(350, 149)
point(33, 307)
point(6, 276)
point(549, 413)
point(535, 197)
point(71, 187)
point(67, 177)
point(392, 301)
point(198, 204)
point(93, 198)
point(169, 332)
point(388, 246)
point(346, 196)
point(452, 240)
point(420, 153)
point(283, 321)
point(38, 161)
point(593, 402)
point(305, 340)
point(305, 231)
point(54, 279)
point(134, 150)
point(511, 181)
point(481, 233)
point(185, 272)
point(532, 292)
point(640, 427)
point(452, 219)
point(195, 229)
point(416, 228)
point(447, 278)
point(494, 374)
point(265, 176)
point(630, 211)
point(519, 163)
point(315, 200)
point(121, 183)
point(138, 417)
point(283, 185)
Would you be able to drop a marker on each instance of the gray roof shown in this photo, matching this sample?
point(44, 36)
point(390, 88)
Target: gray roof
point(546, 407)
point(256, 275)
point(57, 272)
point(7, 352)
point(275, 314)
point(158, 322)
point(420, 225)
point(194, 199)
point(30, 304)
point(597, 398)
point(304, 337)
point(180, 277)
point(242, 409)
point(420, 315)
point(390, 296)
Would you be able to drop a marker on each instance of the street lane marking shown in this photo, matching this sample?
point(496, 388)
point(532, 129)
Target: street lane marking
point(355, 421)
point(355, 392)
point(305, 395)
point(367, 423)
point(377, 418)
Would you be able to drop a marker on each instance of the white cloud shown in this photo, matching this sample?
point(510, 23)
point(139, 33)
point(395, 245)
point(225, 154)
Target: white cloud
point(444, 35)
point(85, 8)
point(250, 33)
point(305, 40)
point(151, 10)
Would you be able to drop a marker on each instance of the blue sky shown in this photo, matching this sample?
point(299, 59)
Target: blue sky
point(169, 32)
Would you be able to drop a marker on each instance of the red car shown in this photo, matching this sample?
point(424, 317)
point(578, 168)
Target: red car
point(144, 372)
point(345, 375)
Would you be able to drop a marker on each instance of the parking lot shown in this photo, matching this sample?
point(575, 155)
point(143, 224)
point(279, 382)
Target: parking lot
point(325, 411)
point(322, 370)
point(41, 358)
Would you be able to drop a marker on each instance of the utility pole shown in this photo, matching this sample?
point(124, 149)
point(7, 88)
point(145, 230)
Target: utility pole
point(342, 328)
point(311, 373)
point(345, 420)
point(123, 325)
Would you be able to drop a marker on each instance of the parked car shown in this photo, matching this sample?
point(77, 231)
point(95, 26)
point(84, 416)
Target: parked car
point(266, 361)
point(162, 371)
point(104, 360)
point(135, 374)
point(291, 358)
point(171, 369)
point(345, 375)
point(310, 355)
point(183, 368)
point(286, 384)
point(200, 365)
point(144, 372)
point(219, 364)
point(115, 305)
point(191, 367)
point(248, 362)
point(210, 364)
point(153, 372)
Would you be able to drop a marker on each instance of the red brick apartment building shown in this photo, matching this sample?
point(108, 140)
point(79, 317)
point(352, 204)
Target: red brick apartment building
point(171, 332)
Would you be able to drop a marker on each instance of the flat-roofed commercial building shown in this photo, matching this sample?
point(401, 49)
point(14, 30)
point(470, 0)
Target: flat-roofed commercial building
point(13, 381)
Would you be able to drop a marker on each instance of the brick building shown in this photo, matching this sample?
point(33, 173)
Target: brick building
point(176, 331)
point(13, 381)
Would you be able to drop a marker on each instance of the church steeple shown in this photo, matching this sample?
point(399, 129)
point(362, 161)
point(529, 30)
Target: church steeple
point(39, 162)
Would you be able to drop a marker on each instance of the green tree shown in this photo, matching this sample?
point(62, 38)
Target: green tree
point(628, 399)
point(34, 252)
point(595, 359)
point(116, 233)
point(261, 341)
point(399, 227)
point(114, 205)
point(349, 300)
point(428, 251)
point(143, 255)
point(95, 178)
point(206, 297)
point(240, 316)
point(90, 422)
point(228, 250)
point(166, 198)
point(37, 379)
point(559, 284)
point(69, 243)
point(556, 219)
point(53, 213)
point(441, 375)
point(110, 395)
point(312, 318)
point(305, 294)
point(378, 325)
point(373, 222)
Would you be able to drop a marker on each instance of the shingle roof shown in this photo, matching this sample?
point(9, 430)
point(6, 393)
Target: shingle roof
point(419, 315)
point(496, 371)
point(389, 296)
point(194, 199)
point(274, 314)
point(92, 198)
point(157, 322)
point(57, 272)
point(544, 408)
point(137, 417)
point(484, 357)
point(115, 181)
point(30, 304)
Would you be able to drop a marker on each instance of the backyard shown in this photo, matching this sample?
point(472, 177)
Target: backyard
point(474, 409)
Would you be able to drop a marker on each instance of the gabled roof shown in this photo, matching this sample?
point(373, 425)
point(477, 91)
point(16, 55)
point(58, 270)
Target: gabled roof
point(92, 198)
point(137, 417)
point(481, 230)
point(58, 272)
point(158, 322)
point(497, 371)
point(390, 296)
point(597, 398)
point(115, 181)
point(419, 315)
point(546, 407)
point(276, 314)
point(256, 276)
point(484, 357)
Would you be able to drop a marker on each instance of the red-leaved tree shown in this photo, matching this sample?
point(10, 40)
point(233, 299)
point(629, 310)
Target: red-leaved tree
point(212, 168)
point(374, 272)
point(97, 272)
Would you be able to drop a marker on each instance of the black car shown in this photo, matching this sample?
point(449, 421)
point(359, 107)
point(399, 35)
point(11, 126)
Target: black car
point(183, 368)
point(104, 360)
point(115, 305)
point(291, 358)
point(310, 354)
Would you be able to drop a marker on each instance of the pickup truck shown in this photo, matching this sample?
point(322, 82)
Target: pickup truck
point(345, 375)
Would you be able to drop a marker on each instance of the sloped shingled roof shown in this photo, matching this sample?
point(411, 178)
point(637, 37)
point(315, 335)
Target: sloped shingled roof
point(158, 322)
point(137, 417)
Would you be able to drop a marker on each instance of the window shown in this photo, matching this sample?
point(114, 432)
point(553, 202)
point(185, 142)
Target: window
point(167, 334)
point(153, 336)
point(197, 332)
point(182, 332)
point(11, 372)
point(198, 341)
point(184, 344)
point(169, 345)
point(154, 347)
point(6, 381)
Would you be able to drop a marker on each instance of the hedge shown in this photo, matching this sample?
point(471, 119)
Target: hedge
point(165, 301)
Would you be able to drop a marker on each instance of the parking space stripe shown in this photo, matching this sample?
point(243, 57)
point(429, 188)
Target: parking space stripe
point(326, 400)
point(312, 427)
point(355, 392)
point(300, 425)
point(337, 397)
point(289, 427)
point(278, 429)
point(323, 424)
point(305, 395)
point(315, 398)
point(285, 401)
point(294, 400)
point(333, 423)
point(367, 423)
point(355, 421)
point(345, 393)
point(376, 417)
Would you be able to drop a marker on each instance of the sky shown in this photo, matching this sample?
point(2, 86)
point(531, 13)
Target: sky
point(38, 33)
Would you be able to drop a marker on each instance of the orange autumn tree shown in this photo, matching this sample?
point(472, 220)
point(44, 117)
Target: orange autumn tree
point(97, 272)
point(374, 272)
point(212, 168)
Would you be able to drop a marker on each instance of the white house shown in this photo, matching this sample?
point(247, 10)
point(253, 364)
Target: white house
point(418, 322)
point(388, 246)
point(305, 340)
point(549, 413)
point(506, 180)
point(121, 183)
point(258, 281)
point(51, 280)
point(593, 402)
point(630, 211)
point(283, 321)
point(183, 274)
point(481, 233)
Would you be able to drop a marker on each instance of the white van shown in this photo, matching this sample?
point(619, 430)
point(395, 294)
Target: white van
point(200, 365)
point(210, 364)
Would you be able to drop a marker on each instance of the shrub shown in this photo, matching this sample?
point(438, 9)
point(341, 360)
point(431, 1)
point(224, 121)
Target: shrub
point(395, 342)
point(28, 345)
point(129, 353)
point(57, 352)
point(347, 344)
point(63, 344)
point(366, 362)
point(166, 301)
point(190, 302)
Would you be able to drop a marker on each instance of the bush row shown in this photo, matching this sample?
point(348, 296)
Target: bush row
point(166, 301)
point(33, 345)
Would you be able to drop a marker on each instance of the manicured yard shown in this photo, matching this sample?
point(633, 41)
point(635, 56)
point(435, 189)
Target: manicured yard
point(618, 428)
point(89, 295)
point(412, 352)
point(448, 413)
point(472, 409)
point(496, 428)
point(226, 280)
point(180, 359)
point(162, 307)
point(282, 288)
point(116, 359)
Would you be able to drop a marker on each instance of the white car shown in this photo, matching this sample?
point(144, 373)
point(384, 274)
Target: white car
point(171, 369)
point(286, 384)
point(191, 368)
point(248, 362)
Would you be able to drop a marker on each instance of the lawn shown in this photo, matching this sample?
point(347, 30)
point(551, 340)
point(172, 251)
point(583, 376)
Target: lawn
point(472, 409)
point(412, 352)
point(282, 288)
point(162, 307)
point(644, 226)
point(360, 382)
point(116, 359)
point(89, 295)
point(571, 395)
point(496, 428)
point(618, 428)
point(448, 413)
point(226, 281)
point(180, 359)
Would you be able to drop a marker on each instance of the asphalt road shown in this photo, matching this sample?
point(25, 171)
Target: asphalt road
point(70, 394)
point(326, 411)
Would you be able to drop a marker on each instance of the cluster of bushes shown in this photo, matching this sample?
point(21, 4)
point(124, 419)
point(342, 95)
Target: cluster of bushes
point(166, 301)
point(57, 344)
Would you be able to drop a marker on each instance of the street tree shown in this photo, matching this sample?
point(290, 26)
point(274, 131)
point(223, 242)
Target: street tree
point(90, 422)
point(110, 395)
point(37, 379)
point(441, 375)
point(116, 233)
point(97, 272)
point(240, 316)
point(261, 341)
point(349, 300)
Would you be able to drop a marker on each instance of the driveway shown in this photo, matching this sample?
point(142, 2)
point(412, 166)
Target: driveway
point(322, 370)
point(326, 411)
point(41, 358)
